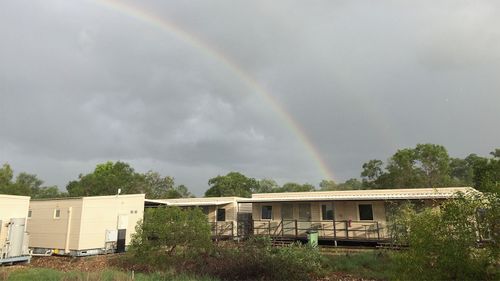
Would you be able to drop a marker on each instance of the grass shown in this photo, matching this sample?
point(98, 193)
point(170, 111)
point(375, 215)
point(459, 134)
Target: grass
point(373, 264)
point(45, 274)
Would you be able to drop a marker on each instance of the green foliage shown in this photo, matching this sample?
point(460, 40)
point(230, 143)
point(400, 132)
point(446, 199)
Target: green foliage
point(257, 260)
point(443, 242)
point(156, 186)
point(266, 186)
point(25, 184)
point(325, 185)
point(426, 165)
point(487, 174)
point(170, 233)
point(232, 184)
point(45, 274)
point(373, 264)
point(108, 177)
point(295, 187)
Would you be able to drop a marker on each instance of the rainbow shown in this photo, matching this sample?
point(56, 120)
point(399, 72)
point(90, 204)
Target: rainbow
point(204, 47)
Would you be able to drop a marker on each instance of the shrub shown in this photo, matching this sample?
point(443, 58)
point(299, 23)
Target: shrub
point(169, 235)
point(257, 260)
point(443, 242)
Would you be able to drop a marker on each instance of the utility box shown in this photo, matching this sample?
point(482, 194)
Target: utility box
point(312, 238)
point(13, 236)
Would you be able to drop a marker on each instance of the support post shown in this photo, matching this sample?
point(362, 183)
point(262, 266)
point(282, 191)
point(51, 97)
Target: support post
point(334, 229)
point(68, 230)
point(378, 231)
point(296, 229)
point(346, 229)
point(269, 228)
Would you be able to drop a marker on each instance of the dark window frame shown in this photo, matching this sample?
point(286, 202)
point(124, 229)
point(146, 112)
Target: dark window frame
point(221, 211)
point(327, 215)
point(266, 210)
point(366, 214)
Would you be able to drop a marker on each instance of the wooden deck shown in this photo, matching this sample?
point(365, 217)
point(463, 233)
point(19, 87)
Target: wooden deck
point(354, 231)
point(327, 230)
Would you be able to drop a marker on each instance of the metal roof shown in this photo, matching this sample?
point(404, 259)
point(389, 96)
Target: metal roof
point(370, 194)
point(208, 201)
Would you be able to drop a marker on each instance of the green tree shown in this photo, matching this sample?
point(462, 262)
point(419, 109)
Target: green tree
point(350, 184)
point(25, 184)
point(487, 174)
point(168, 234)
point(443, 241)
point(232, 184)
point(267, 186)
point(326, 185)
point(6, 175)
point(372, 172)
point(296, 187)
point(402, 172)
point(433, 162)
point(106, 179)
point(157, 186)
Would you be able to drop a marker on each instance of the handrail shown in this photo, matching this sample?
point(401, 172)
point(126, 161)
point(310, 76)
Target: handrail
point(278, 227)
point(328, 229)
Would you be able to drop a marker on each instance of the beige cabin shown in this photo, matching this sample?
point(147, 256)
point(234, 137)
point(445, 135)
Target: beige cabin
point(338, 215)
point(223, 212)
point(13, 237)
point(85, 225)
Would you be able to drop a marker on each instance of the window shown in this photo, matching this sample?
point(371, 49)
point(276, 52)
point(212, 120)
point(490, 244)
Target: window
point(267, 212)
point(365, 212)
point(221, 214)
point(57, 213)
point(305, 212)
point(287, 211)
point(327, 211)
point(29, 214)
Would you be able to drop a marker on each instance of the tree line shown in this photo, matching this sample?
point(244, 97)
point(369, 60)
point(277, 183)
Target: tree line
point(425, 165)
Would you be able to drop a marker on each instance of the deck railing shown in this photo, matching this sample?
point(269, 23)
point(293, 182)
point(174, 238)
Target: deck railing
point(222, 228)
point(365, 230)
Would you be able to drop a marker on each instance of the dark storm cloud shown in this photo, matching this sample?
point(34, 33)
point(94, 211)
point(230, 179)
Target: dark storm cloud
point(81, 83)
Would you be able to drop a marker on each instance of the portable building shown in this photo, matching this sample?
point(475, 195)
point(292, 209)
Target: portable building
point(338, 215)
point(226, 215)
point(85, 225)
point(13, 236)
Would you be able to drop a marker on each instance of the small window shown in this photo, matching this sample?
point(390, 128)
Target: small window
point(57, 213)
point(365, 212)
point(29, 214)
point(305, 212)
point(267, 212)
point(327, 211)
point(221, 214)
point(287, 211)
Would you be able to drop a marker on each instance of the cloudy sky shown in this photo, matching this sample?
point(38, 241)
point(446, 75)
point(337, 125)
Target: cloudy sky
point(193, 89)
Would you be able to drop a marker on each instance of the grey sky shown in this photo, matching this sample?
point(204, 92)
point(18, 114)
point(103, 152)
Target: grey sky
point(82, 83)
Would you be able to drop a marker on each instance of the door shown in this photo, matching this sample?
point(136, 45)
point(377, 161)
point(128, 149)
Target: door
point(120, 242)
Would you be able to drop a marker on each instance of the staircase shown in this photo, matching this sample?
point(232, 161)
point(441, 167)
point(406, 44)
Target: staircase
point(280, 241)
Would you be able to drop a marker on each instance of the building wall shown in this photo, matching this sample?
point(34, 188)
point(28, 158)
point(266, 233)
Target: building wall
point(101, 213)
point(11, 207)
point(48, 232)
point(344, 211)
point(90, 218)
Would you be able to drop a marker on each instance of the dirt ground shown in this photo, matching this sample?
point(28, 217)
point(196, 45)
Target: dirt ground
point(85, 264)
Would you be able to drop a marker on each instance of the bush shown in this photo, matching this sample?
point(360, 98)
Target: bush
point(373, 264)
point(169, 235)
point(255, 259)
point(444, 242)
